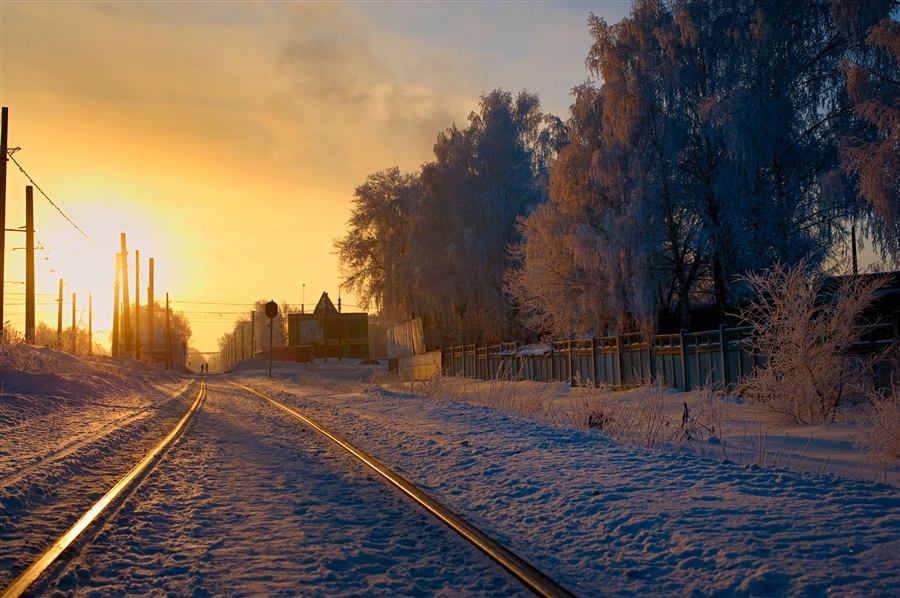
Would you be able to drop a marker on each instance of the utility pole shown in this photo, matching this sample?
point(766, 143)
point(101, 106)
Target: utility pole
point(252, 333)
point(29, 265)
point(169, 363)
point(126, 308)
point(325, 328)
point(242, 341)
point(90, 323)
point(150, 324)
point(74, 336)
point(59, 318)
point(4, 148)
point(115, 325)
point(853, 249)
point(137, 304)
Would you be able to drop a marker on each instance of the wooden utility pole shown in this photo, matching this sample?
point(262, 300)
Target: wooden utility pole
point(137, 304)
point(90, 323)
point(59, 318)
point(169, 363)
point(74, 336)
point(252, 333)
point(115, 325)
point(4, 149)
point(29, 265)
point(242, 341)
point(151, 333)
point(855, 263)
point(126, 308)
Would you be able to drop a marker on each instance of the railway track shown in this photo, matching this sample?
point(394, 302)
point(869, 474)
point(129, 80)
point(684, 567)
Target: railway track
point(531, 577)
point(47, 558)
point(221, 448)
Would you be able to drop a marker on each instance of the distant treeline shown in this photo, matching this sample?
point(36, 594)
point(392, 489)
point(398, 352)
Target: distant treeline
point(714, 139)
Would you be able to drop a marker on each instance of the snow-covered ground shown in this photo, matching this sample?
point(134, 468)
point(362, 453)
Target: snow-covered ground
point(248, 502)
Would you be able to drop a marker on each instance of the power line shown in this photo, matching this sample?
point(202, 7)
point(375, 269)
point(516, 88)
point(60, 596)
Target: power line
point(36, 186)
point(211, 303)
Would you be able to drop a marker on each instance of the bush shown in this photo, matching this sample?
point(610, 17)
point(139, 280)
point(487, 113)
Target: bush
point(806, 340)
point(882, 432)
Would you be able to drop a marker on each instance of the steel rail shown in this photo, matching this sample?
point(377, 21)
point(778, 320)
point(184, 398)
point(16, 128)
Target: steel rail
point(530, 576)
point(31, 574)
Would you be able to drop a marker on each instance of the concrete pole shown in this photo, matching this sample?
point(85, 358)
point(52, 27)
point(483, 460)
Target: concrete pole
point(137, 304)
point(59, 318)
point(151, 332)
point(126, 308)
point(74, 331)
point(29, 265)
point(115, 324)
point(4, 150)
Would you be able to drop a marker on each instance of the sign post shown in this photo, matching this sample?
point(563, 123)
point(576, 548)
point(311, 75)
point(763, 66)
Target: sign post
point(271, 312)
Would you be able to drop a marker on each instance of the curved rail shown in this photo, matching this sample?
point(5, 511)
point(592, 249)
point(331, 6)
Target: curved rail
point(534, 579)
point(30, 575)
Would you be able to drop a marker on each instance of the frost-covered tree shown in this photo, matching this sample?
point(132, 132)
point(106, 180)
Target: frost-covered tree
point(873, 152)
point(717, 154)
point(563, 281)
point(374, 254)
point(482, 179)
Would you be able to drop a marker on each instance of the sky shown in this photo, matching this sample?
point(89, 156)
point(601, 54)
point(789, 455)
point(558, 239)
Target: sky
point(226, 138)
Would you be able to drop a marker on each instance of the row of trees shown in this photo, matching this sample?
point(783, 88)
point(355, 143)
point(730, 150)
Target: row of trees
point(715, 139)
point(436, 243)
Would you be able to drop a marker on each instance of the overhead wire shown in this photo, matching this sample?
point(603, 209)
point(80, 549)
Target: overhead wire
point(58, 209)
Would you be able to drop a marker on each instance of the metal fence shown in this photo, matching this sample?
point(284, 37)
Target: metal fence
point(718, 359)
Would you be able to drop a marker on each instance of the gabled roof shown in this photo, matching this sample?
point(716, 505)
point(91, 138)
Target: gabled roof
point(325, 306)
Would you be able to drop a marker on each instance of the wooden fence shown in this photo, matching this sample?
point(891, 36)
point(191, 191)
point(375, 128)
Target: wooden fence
point(717, 359)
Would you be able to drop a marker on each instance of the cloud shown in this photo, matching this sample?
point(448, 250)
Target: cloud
point(402, 92)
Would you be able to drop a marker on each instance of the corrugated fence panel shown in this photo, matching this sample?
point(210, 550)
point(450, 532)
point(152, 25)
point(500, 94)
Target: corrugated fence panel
point(714, 359)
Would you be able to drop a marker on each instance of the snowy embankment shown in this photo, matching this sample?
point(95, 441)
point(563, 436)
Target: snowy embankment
point(249, 502)
point(604, 518)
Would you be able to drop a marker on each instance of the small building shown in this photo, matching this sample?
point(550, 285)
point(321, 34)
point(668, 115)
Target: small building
point(328, 332)
point(279, 353)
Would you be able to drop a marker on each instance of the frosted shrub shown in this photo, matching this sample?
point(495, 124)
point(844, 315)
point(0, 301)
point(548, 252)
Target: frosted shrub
point(383, 377)
point(640, 418)
point(507, 391)
point(443, 388)
point(882, 432)
point(809, 371)
point(704, 415)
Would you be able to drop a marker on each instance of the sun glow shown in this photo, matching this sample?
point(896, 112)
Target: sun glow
point(102, 208)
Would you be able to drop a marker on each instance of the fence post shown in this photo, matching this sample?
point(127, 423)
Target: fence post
point(552, 363)
point(619, 362)
point(594, 360)
point(651, 368)
point(722, 357)
point(896, 339)
point(571, 363)
point(684, 369)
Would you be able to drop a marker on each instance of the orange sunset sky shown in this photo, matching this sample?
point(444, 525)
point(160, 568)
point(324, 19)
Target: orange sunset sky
point(226, 138)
